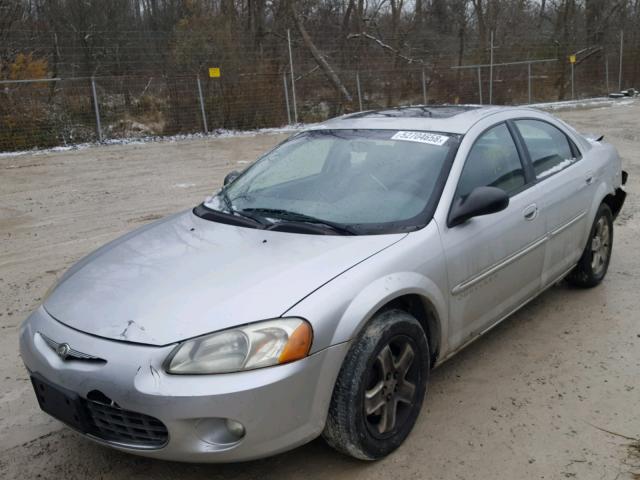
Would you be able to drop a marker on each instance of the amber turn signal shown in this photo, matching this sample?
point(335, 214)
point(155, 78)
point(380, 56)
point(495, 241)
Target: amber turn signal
point(298, 345)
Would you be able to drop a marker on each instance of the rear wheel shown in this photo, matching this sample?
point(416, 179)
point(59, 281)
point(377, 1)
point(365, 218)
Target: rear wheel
point(380, 388)
point(593, 265)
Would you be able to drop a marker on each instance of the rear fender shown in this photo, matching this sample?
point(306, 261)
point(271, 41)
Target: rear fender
point(604, 189)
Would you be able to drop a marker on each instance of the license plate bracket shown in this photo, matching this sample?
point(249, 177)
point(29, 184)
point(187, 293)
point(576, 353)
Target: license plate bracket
point(60, 403)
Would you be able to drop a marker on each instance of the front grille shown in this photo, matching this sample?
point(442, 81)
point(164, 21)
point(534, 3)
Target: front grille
point(114, 424)
point(69, 353)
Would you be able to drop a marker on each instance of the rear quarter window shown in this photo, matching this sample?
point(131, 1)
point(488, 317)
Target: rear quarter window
point(549, 148)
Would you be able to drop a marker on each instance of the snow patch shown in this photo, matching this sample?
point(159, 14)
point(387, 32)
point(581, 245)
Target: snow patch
point(220, 133)
point(601, 102)
point(556, 168)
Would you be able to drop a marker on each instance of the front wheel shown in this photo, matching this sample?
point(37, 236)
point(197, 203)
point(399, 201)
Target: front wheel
point(593, 265)
point(380, 388)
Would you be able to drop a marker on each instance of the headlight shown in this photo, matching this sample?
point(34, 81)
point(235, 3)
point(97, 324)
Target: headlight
point(261, 344)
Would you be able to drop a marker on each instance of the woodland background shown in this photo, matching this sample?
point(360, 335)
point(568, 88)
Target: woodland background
point(144, 58)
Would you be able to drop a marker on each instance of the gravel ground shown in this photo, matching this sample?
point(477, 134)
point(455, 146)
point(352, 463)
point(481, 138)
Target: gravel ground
point(552, 392)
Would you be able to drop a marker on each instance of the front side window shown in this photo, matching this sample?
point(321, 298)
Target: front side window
point(349, 177)
point(548, 147)
point(492, 162)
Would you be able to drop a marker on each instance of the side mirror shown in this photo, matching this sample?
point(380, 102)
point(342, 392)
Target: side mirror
point(231, 176)
point(481, 201)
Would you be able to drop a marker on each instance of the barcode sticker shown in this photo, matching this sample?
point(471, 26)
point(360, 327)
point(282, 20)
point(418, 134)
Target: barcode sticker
point(421, 137)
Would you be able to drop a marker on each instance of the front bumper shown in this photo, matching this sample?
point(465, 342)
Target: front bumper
point(280, 407)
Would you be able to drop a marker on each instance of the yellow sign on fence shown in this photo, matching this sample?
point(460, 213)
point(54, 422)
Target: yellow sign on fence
point(214, 72)
point(572, 59)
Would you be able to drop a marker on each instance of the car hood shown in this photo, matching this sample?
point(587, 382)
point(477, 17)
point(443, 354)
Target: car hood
point(184, 276)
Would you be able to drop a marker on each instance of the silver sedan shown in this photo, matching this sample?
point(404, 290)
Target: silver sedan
point(315, 291)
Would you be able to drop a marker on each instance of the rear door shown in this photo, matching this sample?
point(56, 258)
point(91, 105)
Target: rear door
point(494, 262)
point(567, 184)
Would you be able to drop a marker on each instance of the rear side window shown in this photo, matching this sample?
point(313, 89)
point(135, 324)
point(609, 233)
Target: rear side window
point(492, 162)
point(548, 147)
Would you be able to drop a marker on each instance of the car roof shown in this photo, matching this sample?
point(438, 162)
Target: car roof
point(435, 118)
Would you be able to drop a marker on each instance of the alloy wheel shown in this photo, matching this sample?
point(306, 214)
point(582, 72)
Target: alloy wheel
point(600, 246)
point(392, 386)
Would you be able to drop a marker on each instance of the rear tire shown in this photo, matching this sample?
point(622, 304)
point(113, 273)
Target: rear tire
point(380, 388)
point(593, 265)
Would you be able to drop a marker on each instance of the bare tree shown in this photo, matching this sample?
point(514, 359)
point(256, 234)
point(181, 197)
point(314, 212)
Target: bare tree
point(319, 58)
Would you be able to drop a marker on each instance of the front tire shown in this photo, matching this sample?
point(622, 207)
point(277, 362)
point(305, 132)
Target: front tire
point(593, 265)
point(380, 387)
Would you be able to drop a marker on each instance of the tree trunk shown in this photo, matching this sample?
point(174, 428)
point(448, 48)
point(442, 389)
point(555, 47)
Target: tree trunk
point(418, 15)
point(320, 60)
point(346, 20)
point(461, 32)
point(594, 13)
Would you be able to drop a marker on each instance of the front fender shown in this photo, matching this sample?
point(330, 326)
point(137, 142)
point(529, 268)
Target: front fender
point(381, 292)
point(414, 265)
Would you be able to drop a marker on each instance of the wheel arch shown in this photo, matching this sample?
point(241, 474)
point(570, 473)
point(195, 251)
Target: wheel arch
point(602, 195)
point(423, 310)
point(615, 201)
point(407, 291)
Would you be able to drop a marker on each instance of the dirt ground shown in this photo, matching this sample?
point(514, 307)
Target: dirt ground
point(553, 392)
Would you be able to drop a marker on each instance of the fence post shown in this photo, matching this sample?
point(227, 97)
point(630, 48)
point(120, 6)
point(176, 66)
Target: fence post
point(286, 96)
point(573, 91)
point(202, 110)
point(293, 79)
point(480, 85)
point(359, 92)
point(491, 72)
point(529, 80)
point(620, 72)
point(424, 87)
point(606, 72)
point(96, 108)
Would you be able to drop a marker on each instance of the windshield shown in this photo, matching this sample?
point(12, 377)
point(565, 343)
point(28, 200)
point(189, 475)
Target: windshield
point(370, 181)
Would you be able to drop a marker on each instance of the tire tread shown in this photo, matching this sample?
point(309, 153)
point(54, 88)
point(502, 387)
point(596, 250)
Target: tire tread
point(341, 431)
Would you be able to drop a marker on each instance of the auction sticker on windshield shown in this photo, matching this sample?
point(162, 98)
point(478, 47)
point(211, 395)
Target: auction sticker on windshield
point(421, 137)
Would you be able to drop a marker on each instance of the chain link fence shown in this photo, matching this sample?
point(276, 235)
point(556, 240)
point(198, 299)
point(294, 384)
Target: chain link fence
point(48, 112)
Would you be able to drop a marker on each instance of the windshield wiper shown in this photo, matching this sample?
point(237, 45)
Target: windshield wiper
point(301, 217)
point(227, 200)
point(232, 211)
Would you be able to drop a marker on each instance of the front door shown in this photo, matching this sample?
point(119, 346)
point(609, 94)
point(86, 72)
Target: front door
point(494, 262)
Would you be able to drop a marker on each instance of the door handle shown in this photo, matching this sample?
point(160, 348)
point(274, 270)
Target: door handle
point(589, 178)
point(530, 212)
